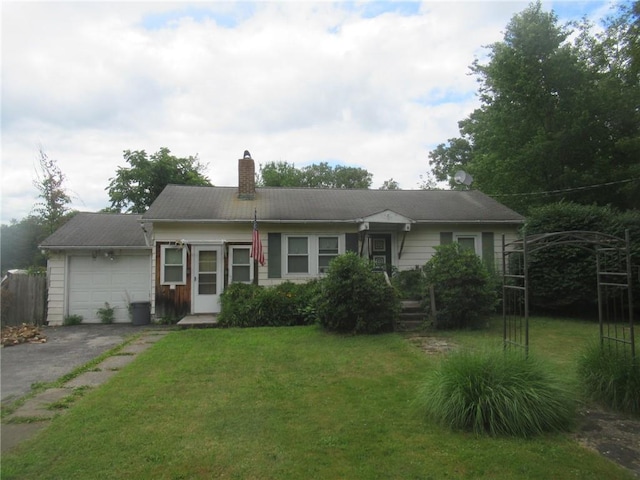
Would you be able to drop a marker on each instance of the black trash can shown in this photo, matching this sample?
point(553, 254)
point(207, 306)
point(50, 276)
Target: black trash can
point(141, 313)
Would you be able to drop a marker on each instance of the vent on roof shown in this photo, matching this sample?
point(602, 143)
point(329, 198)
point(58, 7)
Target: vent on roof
point(246, 177)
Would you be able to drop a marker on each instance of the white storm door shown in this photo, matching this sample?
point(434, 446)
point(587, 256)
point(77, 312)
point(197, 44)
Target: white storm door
point(207, 279)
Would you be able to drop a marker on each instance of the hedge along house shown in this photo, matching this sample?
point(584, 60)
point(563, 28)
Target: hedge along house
point(201, 236)
point(93, 259)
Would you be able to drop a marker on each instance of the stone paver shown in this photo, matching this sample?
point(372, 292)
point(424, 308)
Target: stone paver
point(116, 362)
point(91, 379)
point(135, 348)
point(37, 407)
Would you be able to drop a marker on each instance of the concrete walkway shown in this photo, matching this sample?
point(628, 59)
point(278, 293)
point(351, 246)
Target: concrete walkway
point(35, 414)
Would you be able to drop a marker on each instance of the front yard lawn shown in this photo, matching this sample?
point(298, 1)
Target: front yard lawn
point(285, 403)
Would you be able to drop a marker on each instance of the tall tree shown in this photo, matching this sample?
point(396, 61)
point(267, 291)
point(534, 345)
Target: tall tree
point(321, 175)
point(53, 198)
point(280, 174)
point(134, 188)
point(555, 116)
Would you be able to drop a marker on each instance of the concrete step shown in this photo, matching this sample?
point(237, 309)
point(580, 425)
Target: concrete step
point(199, 321)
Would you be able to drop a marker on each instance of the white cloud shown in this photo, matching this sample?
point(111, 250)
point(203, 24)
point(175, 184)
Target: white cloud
point(375, 85)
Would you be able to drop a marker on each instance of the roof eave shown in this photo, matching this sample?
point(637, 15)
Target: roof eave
point(94, 247)
point(328, 220)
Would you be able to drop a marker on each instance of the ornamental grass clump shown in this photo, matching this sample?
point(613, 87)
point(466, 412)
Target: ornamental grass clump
point(611, 376)
point(496, 392)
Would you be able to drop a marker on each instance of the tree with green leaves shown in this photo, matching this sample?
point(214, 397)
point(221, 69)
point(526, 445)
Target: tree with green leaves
point(556, 117)
point(280, 174)
point(390, 184)
point(134, 188)
point(53, 198)
point(321, 175)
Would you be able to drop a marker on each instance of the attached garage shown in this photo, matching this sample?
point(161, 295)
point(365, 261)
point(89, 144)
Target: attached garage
point(93, 259)
point(114, 279)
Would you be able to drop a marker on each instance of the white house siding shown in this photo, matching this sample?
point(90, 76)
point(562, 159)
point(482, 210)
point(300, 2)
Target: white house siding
point(241, 233)
point(294, 229)
point(56, 271)
point(419, 244)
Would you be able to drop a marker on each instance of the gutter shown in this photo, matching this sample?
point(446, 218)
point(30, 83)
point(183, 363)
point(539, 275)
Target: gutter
point(350, 221)
point(94, 247)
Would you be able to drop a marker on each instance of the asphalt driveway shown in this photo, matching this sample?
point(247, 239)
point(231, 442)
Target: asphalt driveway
point(66, 349)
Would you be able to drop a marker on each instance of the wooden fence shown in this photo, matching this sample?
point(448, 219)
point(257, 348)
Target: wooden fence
point(24, 299)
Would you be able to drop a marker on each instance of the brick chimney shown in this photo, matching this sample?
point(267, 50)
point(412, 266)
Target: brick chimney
point(246, 177)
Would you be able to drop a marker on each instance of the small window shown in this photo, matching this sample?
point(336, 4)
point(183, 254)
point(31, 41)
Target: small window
point(469, 242)
point(173, 265)
point(297, 255)
point(241, 265)
point(327, 251)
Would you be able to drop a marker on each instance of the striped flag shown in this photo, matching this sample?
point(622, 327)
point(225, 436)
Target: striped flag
point(256, 243)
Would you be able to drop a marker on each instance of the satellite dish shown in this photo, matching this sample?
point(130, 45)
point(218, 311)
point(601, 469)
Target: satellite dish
point(463, 178)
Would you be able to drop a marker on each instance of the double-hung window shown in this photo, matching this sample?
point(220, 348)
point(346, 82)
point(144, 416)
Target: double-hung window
point(328, 249)
point(297, 255)
point(241, 264)
point(173, 260)
point(311, 254)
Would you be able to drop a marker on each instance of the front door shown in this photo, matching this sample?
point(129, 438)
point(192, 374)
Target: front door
point(207, 279)
point(380, 251)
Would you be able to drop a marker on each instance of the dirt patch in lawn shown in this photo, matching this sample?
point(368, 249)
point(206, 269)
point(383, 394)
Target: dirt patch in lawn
point(613, 435)
point(431, 345)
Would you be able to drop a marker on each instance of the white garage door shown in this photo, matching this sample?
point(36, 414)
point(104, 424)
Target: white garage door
point(94, 281)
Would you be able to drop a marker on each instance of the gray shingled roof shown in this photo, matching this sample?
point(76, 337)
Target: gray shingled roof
point(221, 204)
point(98, 230)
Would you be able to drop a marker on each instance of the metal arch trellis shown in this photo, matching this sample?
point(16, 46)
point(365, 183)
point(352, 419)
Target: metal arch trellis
point(614, 285)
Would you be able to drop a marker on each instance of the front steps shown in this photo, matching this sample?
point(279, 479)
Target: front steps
point(412, 317)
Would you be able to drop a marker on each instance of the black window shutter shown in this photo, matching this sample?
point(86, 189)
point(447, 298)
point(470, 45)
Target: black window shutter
point(488, 250)
point(274, 267)
point(351, 242)
point(446, 237)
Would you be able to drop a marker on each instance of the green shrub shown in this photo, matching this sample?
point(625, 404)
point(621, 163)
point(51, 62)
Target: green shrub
point(73, 320)
point(611, 376)
point(411, 284)
point(275, 305)
point(250, 305)
point(238, 305)
point(307, 295)
point(496, 392)
point(106, 314)
point(355, 299)
point(563, 277)
point(464, 291)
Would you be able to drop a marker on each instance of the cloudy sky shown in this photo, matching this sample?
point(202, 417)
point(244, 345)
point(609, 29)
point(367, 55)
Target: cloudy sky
point(375, 85)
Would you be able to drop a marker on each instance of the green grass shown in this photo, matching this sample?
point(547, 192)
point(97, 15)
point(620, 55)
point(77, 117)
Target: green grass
point(611, 376)
point(280, 403)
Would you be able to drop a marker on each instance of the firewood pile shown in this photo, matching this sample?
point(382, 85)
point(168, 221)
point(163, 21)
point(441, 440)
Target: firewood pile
point(22, 334)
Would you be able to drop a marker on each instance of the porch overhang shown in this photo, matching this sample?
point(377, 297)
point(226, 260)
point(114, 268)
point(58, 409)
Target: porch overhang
point(386, 219)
